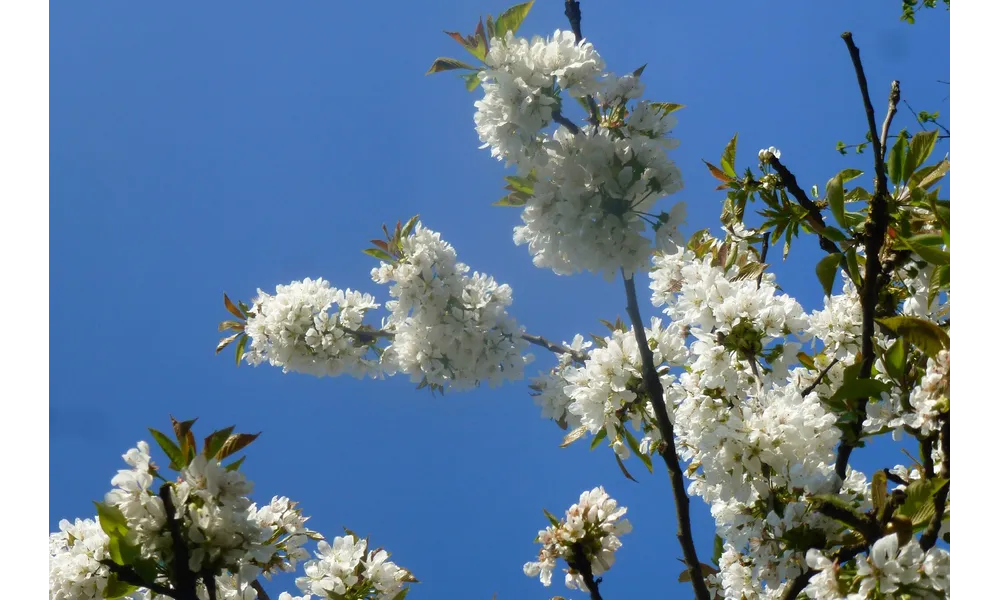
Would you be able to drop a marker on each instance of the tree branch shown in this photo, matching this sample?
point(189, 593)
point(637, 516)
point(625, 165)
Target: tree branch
point(184, 581)
point(668, 450)
point(930, 536)
point(874, 236)
point(815, 217)
point(261, 594)
point(573, 14)
point(559, 118)
point(128, 575)
point(577, 356)
point(582, 566)
point(819, 379)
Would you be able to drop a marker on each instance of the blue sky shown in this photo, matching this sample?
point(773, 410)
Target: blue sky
point(202, 148)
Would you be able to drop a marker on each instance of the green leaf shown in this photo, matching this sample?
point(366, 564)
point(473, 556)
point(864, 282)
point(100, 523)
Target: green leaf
point(859, 388)
point(448, 64)
point(896, 157)
point(240, 348)
point(879, 491)
point(603, 433)
point(235, 443)
point(858, 194)
point(377, 253)
point(921, 147)
point(511, 200)
point(112, 520)
point(729, 158)
point(551, 517)
point(852, 267)
point(933, 176)
point(831, 233)
point(895, 359)
point(511, 19)
point(625, 472)
point(835, 197)
point(114, 588)
point(927, 336)
point(826, 270)
point(177, 459)
point(666, 107)
point(573, 436)
point(471, 81)
point(639, 71)
point(234, 325)
point(919, 493)
point(634, 445)
point(410, 224)
point(928, 248)
point(521, 184)
point(214, 441)
point(849, 174)
point(235, 465)
point(717, 549)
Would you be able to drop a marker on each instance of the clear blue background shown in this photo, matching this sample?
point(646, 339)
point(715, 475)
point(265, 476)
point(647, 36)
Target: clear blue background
point(198, 148)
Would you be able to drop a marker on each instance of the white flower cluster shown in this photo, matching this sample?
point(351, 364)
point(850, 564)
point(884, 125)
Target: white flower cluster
point(224, 533)
point(450, 329)
point(589, 534)
point(345, 569)
point(520, 96)
point(603, 393)
point(75, 570)
point(296, 330)
point(593, 189)
point(889, 569)
point(935, 387)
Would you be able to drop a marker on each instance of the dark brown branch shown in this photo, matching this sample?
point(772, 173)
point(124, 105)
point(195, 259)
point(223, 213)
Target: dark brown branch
point(819, 379)
point(578, 357)
point(889, 475)
point(668, 449)
point(573, 14)
point(798, 584)
point(185, 583)
point(815, 217)
point(859, 71)
point(581, 565)
point(127, 574)
point(861, 524)
point(261, 594)
point(929, 538)
point(874, 236)
point(559, 118)
point(926, 457)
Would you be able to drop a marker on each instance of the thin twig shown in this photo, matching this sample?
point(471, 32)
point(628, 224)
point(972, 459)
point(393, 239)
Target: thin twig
point(578, 356)
point(819, 379)
point(874, 236)
point(926, 457)
point(668, 449)
point(914, 113)
point(814, 216)
point(261, 594)
point(892, 137)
